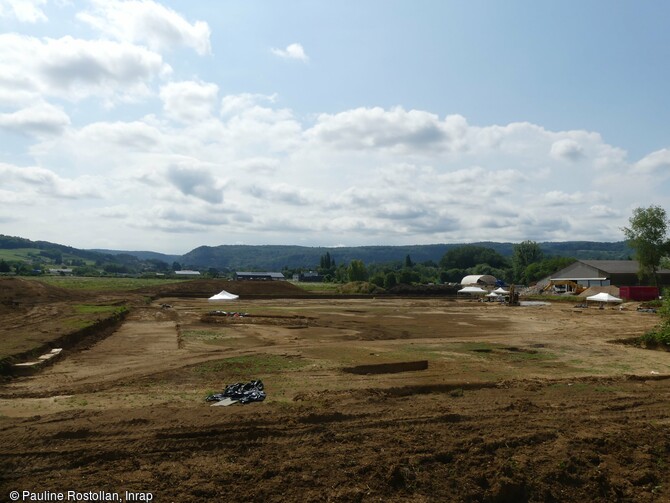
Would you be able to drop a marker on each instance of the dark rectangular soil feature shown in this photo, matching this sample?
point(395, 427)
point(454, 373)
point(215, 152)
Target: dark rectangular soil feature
point(387, 368)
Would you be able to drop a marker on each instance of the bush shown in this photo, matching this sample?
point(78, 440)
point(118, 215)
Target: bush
point(358, 287)
point(660, 336)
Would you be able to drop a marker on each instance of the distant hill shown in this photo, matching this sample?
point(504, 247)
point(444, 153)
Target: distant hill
point(276, 257)
point(142, 255)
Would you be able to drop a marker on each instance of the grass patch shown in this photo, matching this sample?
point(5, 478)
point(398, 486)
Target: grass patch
point(20, 254)
point(506, 353)
point(413, 352)
point(201, 334)
point(317, 287)
point(97, 309)
point(207, 336)
point(250, 366)
point(476, 346)
point(78, 323)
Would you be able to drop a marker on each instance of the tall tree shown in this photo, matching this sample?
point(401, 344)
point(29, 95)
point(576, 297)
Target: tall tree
point(357, 271)
point(647, 235)
point(466, 256)
point(525, 253)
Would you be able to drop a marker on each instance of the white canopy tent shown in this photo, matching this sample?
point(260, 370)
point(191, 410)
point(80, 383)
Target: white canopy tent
point(223, 295)
point(500, 291)
point(604, 297)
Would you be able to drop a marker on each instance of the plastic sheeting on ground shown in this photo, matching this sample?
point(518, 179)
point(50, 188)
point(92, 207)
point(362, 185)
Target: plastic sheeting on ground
point(240, 392)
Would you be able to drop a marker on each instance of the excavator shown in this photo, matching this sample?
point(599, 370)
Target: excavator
point(564, 286)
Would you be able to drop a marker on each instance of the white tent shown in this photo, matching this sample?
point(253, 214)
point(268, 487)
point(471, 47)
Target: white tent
point(501, 291)
point(493, 295)
point(474, 290)
point(604, 297)
point(223, 295)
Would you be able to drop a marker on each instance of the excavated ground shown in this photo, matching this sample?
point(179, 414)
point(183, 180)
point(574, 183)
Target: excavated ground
point(516, 404)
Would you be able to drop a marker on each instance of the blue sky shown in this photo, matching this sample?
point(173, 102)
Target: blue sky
point(168, 125)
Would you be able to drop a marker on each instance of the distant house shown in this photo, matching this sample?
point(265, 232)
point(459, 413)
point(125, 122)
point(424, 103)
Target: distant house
point(187, 272)
point(308, 277)
point(603, 273)
point(259, 276)
point(478, 280)
point(60, 271)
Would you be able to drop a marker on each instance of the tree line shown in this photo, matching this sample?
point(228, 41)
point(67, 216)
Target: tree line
point(647, 236)
point(526, 265)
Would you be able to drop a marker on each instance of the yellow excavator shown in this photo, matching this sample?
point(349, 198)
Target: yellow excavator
point(564, 286)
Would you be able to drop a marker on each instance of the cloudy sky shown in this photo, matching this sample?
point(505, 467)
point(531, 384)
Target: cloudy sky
point(168, 125)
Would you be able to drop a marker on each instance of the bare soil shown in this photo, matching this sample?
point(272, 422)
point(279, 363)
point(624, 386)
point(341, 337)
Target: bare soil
point(516, 404)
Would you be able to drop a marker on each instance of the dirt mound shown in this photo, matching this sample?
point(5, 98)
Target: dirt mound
point(595, 290)
point(19, 291)
point(207, 287)
point(428, 290)
point(359, 287)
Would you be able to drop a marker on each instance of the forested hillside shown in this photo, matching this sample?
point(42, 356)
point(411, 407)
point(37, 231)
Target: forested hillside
point(273, 257)
point(28, 255)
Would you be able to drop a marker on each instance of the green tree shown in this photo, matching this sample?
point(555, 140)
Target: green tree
point(326, 262)
point(467, 256)
point(4, 266)
point(647, 235)
point(408, 262)
point(544, 268)
point(390, 280)
point(524, 254)
point(357, 271)
point(377, 279)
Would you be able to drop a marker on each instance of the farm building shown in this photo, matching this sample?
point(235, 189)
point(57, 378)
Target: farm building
point(259, 276)
point(478, 280)
point(187, 272)
point(61, 271)
point(602, 273)
point(308, 277)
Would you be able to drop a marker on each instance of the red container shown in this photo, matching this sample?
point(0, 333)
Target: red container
point(638, 292)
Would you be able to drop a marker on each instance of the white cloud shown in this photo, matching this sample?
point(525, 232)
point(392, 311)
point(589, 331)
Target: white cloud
point(44, 182)
point(235, 104)
point(657, 163)
point(379, 128)
point(197, 181)
point(361, 176)
point(26, 11)
point(603, 211)
point(567, 149)
point(147, 22)
point(39, 120)
point(283, 193)
point(292, 51)
point(76, 69)
point(189, 101)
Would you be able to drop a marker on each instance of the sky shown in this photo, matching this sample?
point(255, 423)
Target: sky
point(164, 126)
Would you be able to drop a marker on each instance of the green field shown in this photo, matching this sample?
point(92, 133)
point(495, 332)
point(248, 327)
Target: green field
point(21, 254)
point(32, 255)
